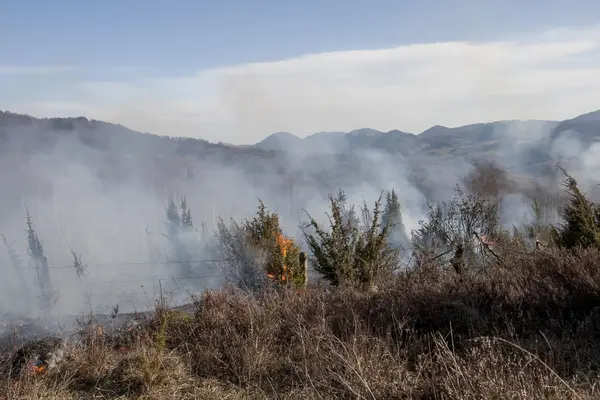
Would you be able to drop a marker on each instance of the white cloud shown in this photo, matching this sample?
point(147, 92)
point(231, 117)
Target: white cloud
point(551, 76)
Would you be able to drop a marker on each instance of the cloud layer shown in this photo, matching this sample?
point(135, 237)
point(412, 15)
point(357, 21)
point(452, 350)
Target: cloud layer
point(555, 75)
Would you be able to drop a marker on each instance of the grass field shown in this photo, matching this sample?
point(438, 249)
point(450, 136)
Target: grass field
point(529, 329)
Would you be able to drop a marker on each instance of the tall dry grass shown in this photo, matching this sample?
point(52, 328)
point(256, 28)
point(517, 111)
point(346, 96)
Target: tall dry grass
point(529, 329)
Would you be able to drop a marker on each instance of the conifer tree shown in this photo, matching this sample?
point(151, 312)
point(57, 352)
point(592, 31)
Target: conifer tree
point(282, 253)
point(47, 295)
point(186, 215)
point(257, 249)
point(348, 253)
point(581, 226)
point(81, 271)
point(392, 216)
point(179, 222)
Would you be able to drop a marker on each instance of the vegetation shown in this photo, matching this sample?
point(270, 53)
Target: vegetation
point(392, 217)
point(478, 315)
point(258, 248)
point(46, 294)
point(350, 252)
point(179, 222)
point(581, 227)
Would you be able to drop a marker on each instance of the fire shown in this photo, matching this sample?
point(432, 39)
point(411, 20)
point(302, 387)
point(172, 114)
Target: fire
point(487, 241)
point(284, 245)
point(36, 370)
point(39, 370)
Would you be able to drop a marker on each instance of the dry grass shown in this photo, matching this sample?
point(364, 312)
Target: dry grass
point(528, 330)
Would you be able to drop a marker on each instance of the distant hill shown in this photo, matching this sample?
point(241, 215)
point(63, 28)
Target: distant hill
point(526, 143)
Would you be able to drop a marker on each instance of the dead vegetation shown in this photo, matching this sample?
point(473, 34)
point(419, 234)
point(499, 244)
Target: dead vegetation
point(518, 322)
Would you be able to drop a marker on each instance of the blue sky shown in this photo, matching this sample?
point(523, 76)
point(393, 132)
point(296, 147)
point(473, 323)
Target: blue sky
point(80, 44)
point(188, 34)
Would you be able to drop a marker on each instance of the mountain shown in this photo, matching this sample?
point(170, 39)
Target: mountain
point(438, 141)
point(528, 142)
point(280, 141)
point(585, 128)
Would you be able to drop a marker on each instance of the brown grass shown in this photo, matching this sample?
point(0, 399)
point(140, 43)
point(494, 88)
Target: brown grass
point(530, 329)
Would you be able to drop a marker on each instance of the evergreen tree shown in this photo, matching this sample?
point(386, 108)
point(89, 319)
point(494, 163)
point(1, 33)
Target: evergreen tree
point(173, 220)
point(47, 295)
point(81, 271)
point(581, 226)
point(179, 222)
point(348, 253)
point(282, 253)
point(186, 215)
point(257, 249)
point(348, 213)
point(392, 217)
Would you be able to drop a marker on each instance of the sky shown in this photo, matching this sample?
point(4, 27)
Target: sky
point(238, 70)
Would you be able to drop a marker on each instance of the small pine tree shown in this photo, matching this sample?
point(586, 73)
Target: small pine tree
point(581, 226)
point(186, 215)
point(241, 263)
point(47, 295)
point(81, 271)
point(348, 213)
point(283, 253)
point(349, 253)
point(179, 221)
point(78, 265)
point(257, 249)
point(173, 219)
point(392, 216)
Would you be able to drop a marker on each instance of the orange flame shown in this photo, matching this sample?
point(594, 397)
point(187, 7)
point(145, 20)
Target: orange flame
point(487, 241)
point(284, 244)
point(35, 370)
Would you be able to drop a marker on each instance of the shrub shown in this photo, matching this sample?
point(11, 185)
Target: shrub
point(581, 226)
point(350, 253)
point(258, 248)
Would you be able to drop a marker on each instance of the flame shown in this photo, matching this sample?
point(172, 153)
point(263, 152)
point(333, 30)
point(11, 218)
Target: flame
point(487, 241)
point(39, 370)
point(284, 245)
point(36, 370)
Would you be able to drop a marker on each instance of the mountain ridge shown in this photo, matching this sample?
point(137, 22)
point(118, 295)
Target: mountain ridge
point(436, 140)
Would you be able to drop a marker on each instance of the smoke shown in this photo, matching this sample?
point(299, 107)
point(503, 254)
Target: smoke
point(103, 191)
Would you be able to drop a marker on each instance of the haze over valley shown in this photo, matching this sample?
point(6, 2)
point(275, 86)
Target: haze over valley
point(102, 189)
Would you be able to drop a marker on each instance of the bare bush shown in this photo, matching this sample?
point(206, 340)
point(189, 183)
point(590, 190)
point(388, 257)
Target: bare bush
point(459, 232)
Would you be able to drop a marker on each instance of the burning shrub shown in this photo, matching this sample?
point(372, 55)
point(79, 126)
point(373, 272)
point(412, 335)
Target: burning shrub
point(38, 356)
point(257, 249)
